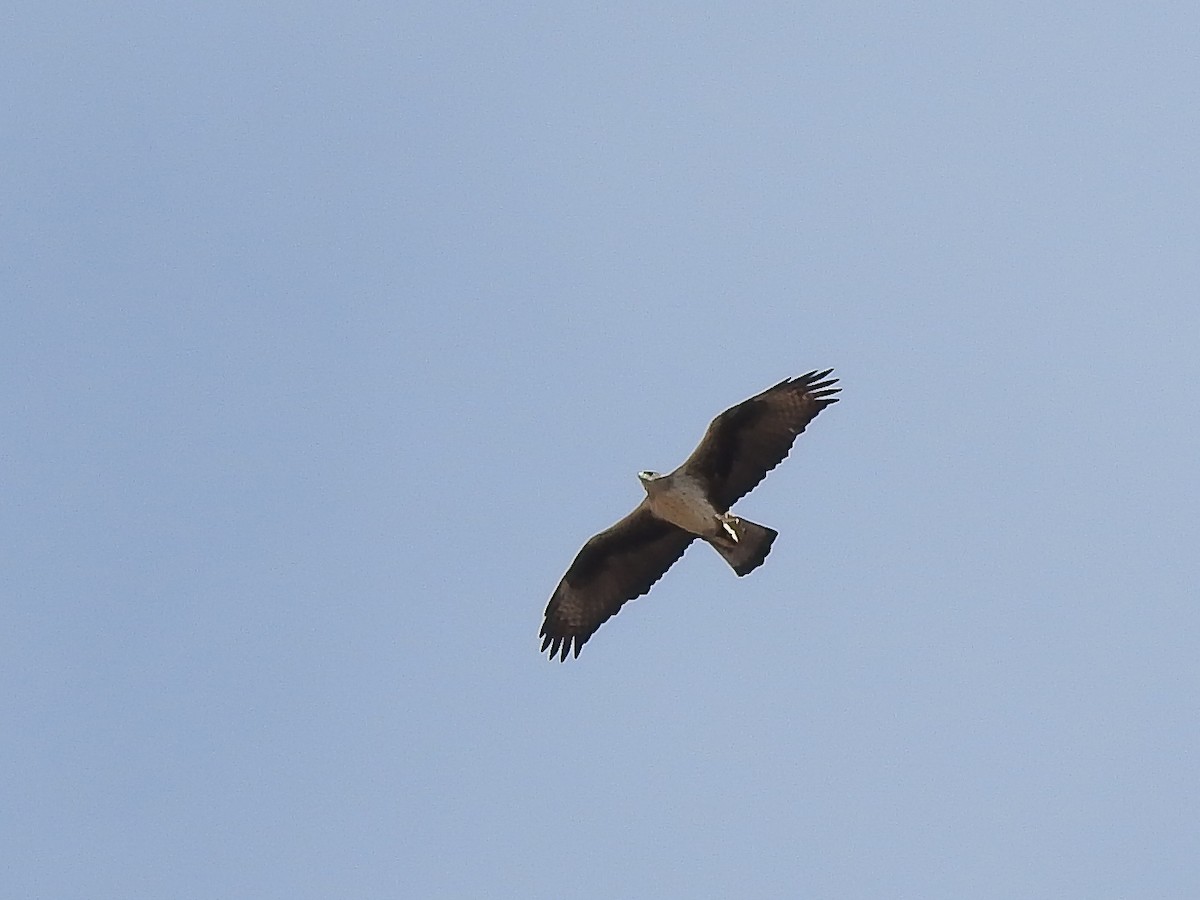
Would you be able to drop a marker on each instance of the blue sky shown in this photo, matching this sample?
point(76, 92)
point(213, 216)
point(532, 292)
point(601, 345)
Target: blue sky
point(330, 333)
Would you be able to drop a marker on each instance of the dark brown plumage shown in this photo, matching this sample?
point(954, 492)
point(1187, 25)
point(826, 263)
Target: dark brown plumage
point(615, 566)
point(739, 448)
point(747, 441)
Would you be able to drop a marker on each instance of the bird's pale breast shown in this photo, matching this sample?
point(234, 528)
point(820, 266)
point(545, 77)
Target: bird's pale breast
point(683, 502)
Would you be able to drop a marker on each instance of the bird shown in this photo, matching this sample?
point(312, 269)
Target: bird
point(738, 449)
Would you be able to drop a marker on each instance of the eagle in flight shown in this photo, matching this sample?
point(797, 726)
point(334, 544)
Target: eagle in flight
point(737, 451)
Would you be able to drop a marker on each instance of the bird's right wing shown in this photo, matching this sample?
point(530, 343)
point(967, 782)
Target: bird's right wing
point(615, 566)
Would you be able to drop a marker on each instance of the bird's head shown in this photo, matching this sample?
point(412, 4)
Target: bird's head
point(647, 476)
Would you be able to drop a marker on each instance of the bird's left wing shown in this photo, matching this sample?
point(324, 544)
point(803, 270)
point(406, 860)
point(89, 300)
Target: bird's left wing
point(747, 441)
point(615, 566)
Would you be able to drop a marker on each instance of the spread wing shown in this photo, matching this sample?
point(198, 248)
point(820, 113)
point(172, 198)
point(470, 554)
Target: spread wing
point(613, 567)
point(747, 441)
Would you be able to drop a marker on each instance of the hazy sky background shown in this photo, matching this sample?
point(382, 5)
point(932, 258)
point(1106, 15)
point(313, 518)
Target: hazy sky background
point(330, 331)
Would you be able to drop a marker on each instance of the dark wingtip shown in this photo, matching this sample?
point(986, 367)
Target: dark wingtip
point(819, 386)
point(563, 646)
point(815, 380)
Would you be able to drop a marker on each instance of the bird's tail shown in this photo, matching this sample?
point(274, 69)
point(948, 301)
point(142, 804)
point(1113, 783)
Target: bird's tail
point(750, 549)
